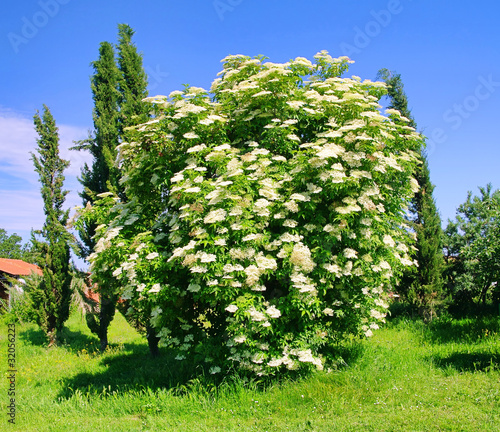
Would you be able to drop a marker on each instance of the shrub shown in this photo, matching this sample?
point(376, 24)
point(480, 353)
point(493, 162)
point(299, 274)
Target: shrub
point(264, 221)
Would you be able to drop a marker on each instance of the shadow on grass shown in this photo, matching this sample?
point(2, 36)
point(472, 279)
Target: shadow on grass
point(462, 330)
point(470, 362)
point(134, 370)
point(73, 341)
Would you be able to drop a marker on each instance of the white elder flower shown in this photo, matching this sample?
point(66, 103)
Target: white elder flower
point(265, 263)
point(292, 206)
point(222, 147)
point(253, 274)
point(190, 135)
point(332, 268)
point(279, 158)
point(177, 177)
point(328, 311)
point(389, 241)
point(293, 137)
point(175, 93)
point(152, 255)
point(198, 269)
point(290, 223)
point(240, 339)
point(275, 362)
point(300, 197)
point(113, 232)
point(295, 104)
point(385, 265)
point(301, 257)
point(250, 237)
point(232, 308)
point(220, 242)
point(262, 203)
point(414, 185)
point(214, 216)
point(257, 315)
point(290, 238)
point(262, 93)
point(196, 148)
point(206, 257)
point(350, 253)
point(156, 288)
point(273, 312)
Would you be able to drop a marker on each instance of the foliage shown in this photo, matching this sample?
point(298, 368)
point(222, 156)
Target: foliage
point(20, 307)
point(265, 223)
point(11, 247)
point(52, 296)
point(473, 247)
point(133, 81)
point(421, 286)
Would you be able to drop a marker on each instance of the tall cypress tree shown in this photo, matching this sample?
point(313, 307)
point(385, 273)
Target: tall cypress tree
point(118, 86)
point(52, 296)
point(133, 83)
point(103, 176)
point(423, 286)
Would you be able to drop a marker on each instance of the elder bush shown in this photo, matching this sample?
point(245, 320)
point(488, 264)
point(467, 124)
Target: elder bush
point(265, 218)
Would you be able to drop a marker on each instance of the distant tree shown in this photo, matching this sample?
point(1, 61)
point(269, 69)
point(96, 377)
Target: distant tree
point(423, 286)
point(11, 247)
point(52, 295)
point(473, 242)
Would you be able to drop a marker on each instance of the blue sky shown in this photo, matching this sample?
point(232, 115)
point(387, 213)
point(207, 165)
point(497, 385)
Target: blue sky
point(447, 52)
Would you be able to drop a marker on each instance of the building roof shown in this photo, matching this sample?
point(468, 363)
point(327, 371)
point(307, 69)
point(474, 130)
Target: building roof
point(17, 267)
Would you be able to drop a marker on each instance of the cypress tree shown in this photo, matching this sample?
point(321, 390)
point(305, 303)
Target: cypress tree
point(424, 286)
point(118, 86)
point(52, 296)
point(133, 83)
point(103, 176)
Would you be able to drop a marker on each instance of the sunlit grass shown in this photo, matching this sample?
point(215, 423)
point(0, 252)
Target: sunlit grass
point(409, 377)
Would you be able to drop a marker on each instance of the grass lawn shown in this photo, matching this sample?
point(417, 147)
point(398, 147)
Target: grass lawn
point(408, 377)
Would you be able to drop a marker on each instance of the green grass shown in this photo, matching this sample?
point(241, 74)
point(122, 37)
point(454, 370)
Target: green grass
point(408, 377)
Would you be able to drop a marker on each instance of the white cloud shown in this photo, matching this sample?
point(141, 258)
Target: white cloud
point(21, 206)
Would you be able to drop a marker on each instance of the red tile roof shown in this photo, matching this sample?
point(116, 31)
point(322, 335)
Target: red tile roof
point(16, 267)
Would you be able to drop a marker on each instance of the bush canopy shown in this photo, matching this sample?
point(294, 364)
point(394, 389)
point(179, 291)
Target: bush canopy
point(265, 218)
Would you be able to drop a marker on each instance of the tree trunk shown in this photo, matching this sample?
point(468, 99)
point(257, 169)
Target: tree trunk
point(106, 312)
point(153, 341)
